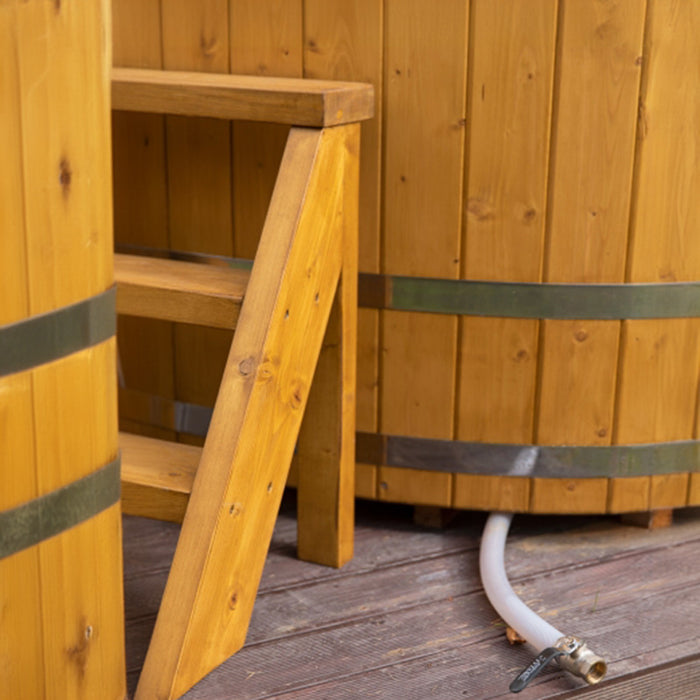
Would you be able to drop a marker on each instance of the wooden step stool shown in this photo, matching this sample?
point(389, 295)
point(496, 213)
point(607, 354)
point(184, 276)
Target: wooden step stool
point(230, 490)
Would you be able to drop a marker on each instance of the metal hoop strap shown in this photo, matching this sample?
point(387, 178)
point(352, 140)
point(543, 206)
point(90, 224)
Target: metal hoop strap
point(493, 459)
point(57, 511)
point(36, 340)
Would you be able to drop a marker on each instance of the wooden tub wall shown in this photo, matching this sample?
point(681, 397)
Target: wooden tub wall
point(546, 143)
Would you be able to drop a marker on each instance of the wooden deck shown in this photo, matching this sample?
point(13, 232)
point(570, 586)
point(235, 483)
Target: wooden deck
point(407, 618)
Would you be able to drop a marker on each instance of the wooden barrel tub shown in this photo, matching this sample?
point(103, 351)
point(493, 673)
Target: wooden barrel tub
point(61, 607)
point(529, 330)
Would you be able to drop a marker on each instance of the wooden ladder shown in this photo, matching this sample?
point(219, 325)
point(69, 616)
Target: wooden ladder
point(303, 285)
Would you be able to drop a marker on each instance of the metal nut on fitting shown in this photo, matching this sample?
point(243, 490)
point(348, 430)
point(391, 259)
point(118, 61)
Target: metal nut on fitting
point(580, 660)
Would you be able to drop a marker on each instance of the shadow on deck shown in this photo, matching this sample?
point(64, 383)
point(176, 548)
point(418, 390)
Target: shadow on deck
point(407, 618)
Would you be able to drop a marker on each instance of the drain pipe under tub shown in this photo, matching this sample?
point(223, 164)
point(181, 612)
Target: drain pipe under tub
point(571, 653)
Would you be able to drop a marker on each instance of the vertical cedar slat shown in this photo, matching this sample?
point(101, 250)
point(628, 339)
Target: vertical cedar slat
point(343, 41)
point(141, 204)
point(62, 599)
point(590, 187)
point(424, 119)
point(266, 39)
point(22, 637)
point(659, 359)
point(195, 37)
point(509, 104)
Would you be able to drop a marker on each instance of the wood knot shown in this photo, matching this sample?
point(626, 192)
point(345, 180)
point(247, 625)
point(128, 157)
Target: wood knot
point(580, 335)
point(208, 46)
point(233, 600)
point(480, 210)
point(246, 367)
point(65, 176)
point(530, 215)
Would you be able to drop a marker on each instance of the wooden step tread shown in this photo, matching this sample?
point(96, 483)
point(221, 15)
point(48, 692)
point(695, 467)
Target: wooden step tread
point(296, 101)
point(172, 290)
point(157, 476)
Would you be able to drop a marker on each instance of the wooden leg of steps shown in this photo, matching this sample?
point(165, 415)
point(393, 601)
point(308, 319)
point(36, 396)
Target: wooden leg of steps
point(209, 596)
point(326, 447)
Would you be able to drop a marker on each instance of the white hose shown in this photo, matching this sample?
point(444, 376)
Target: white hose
point(499, 592)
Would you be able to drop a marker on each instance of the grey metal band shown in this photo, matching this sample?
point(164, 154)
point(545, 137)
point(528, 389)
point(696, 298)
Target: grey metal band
point(46, 337)
point(489, 459)
point(188, 418)
point(503, 299)
point(523, 300)
point(59, 510)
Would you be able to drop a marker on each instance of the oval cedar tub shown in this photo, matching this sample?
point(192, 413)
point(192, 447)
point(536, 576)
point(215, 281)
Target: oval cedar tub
point(522, 145)
point(60, 526)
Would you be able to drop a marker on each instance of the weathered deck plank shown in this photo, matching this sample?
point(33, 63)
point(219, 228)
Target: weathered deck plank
point(407, 616)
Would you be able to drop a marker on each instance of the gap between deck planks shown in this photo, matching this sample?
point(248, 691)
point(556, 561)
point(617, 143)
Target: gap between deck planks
point(408, 613)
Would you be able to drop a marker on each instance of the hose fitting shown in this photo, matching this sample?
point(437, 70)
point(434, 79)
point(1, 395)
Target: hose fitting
point(580, 660)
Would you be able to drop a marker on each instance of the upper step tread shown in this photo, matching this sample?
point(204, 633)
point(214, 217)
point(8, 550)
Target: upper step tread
point(297, 101)
point(174, 290)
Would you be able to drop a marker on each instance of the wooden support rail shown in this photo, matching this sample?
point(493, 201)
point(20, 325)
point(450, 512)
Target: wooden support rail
point(295, 101)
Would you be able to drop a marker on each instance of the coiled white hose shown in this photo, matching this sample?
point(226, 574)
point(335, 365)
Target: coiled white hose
point(499, 591)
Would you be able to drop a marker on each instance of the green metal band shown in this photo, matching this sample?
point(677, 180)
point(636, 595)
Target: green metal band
point(502, 299)
point(59, 510)
point(491, 459)
point(523, 300)
point(47, 337)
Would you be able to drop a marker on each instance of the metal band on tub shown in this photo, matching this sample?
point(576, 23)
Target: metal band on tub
point(525, 300)
point(43, 338)
point(501, 299)
point(35, 521)
point(544, 461)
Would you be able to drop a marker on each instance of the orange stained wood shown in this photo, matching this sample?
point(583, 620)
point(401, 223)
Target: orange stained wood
point(195, 38)
point(157, 476)
point(509, 105)
point(265, 39)
point(588, 221)
point(173, 290)
point(283, 100)
point(344, 41)
point(210, 592)
point(141, 197)
point(424, 93)
point(326, 445)
point(658, 388)
point(63, 620)
point(505, 493)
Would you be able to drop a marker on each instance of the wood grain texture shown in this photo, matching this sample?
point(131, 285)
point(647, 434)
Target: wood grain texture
point(281, 100)
point(215, 573)
point(172, 290)
point(22, 643)
point(508, 124)
point(588, 220)
point(63, 621)
point(412, 598)
point(344, 41)
point(141, 198)
point(266, 40)
point(195, 38)
point(424, 93)
point(658, 390)
point(325, 449)
point(157, 476)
